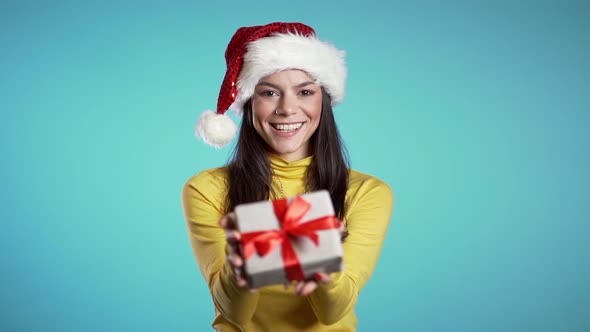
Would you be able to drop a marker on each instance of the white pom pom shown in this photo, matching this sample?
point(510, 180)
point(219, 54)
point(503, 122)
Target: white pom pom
point(215, 129)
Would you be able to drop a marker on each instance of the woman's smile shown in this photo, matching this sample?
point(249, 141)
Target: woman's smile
point(287, 129)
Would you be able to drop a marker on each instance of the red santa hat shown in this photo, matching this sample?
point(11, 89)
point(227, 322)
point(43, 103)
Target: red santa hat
point(258, 51)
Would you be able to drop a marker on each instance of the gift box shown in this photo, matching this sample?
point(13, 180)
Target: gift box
point(289, 239)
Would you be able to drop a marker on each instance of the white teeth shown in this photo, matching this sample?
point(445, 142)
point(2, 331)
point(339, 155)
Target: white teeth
point(289, 127)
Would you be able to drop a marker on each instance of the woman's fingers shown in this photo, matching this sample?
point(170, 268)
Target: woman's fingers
point(233, 237)
point(322, 277)
point(223, 222)
point(235, 260)
point(308, 288)
point(242, 282)
point(304, 288)
point(299, 287)
point(228, 221)
point(237, 266)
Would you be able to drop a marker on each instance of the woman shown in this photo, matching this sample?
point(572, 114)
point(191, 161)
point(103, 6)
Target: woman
point(284, 81)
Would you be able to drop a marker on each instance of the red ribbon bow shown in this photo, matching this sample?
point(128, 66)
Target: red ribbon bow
point(290, 217)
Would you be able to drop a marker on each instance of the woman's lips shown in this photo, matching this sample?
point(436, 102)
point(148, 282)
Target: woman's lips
point(282, 133)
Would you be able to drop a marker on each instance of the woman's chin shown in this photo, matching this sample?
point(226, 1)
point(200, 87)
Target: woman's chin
point(282, 148)
point(283, 151)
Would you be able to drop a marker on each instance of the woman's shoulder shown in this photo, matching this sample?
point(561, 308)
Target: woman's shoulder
point(208, 179)
point(363, 184)
point(357, 178)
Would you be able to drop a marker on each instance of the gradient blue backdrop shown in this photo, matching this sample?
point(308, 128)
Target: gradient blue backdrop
point(476, 113)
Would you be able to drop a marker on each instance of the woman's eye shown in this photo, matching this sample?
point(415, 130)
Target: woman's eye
point(269, 93)
point(306, 92)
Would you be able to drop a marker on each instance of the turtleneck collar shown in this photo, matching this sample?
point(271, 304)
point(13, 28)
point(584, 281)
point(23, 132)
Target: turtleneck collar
point(289, 169)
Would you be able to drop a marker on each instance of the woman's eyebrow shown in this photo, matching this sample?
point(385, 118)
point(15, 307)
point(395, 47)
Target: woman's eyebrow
point(300, 85)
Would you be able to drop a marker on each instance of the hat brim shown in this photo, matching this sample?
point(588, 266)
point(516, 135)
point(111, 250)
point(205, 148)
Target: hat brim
point(281, 51)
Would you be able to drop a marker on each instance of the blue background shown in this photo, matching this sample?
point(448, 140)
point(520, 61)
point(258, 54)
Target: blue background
point(475, 112)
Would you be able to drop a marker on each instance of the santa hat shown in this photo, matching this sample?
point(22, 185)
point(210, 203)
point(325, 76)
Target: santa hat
point(258, 51)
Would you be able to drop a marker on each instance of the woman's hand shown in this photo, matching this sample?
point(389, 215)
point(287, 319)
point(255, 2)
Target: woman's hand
point(304, 288)
point(234, 256)
point(228, 222)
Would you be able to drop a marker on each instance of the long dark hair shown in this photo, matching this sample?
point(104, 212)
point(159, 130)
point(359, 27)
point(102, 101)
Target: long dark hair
point(249, 172)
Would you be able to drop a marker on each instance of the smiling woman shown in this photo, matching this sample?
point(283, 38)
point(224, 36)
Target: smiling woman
point(284, 81)
point(286, 109)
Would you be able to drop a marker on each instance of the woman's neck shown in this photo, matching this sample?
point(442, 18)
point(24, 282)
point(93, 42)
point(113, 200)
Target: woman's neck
point(301, 153)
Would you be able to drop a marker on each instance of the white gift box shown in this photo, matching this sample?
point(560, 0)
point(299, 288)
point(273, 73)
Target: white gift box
point(269, 269)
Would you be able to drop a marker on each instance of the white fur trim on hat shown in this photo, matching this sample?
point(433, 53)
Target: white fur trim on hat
point(215, 129)
point(281, 51)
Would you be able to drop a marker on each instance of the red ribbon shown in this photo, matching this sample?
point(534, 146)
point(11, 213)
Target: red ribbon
point(290, 217)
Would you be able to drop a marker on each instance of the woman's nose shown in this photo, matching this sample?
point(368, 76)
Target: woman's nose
point(288, 105)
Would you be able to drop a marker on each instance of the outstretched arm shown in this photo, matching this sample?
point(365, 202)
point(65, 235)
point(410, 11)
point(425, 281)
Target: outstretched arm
point(202, 198)
point(367, 219)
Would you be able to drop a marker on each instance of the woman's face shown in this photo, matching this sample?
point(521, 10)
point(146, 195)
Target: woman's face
point(299, 103)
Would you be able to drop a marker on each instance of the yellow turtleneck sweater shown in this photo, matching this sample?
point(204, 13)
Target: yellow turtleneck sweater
point(369, 204)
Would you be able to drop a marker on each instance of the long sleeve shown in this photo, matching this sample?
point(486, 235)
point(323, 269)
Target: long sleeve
point(367, 220)
point(202, 199)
